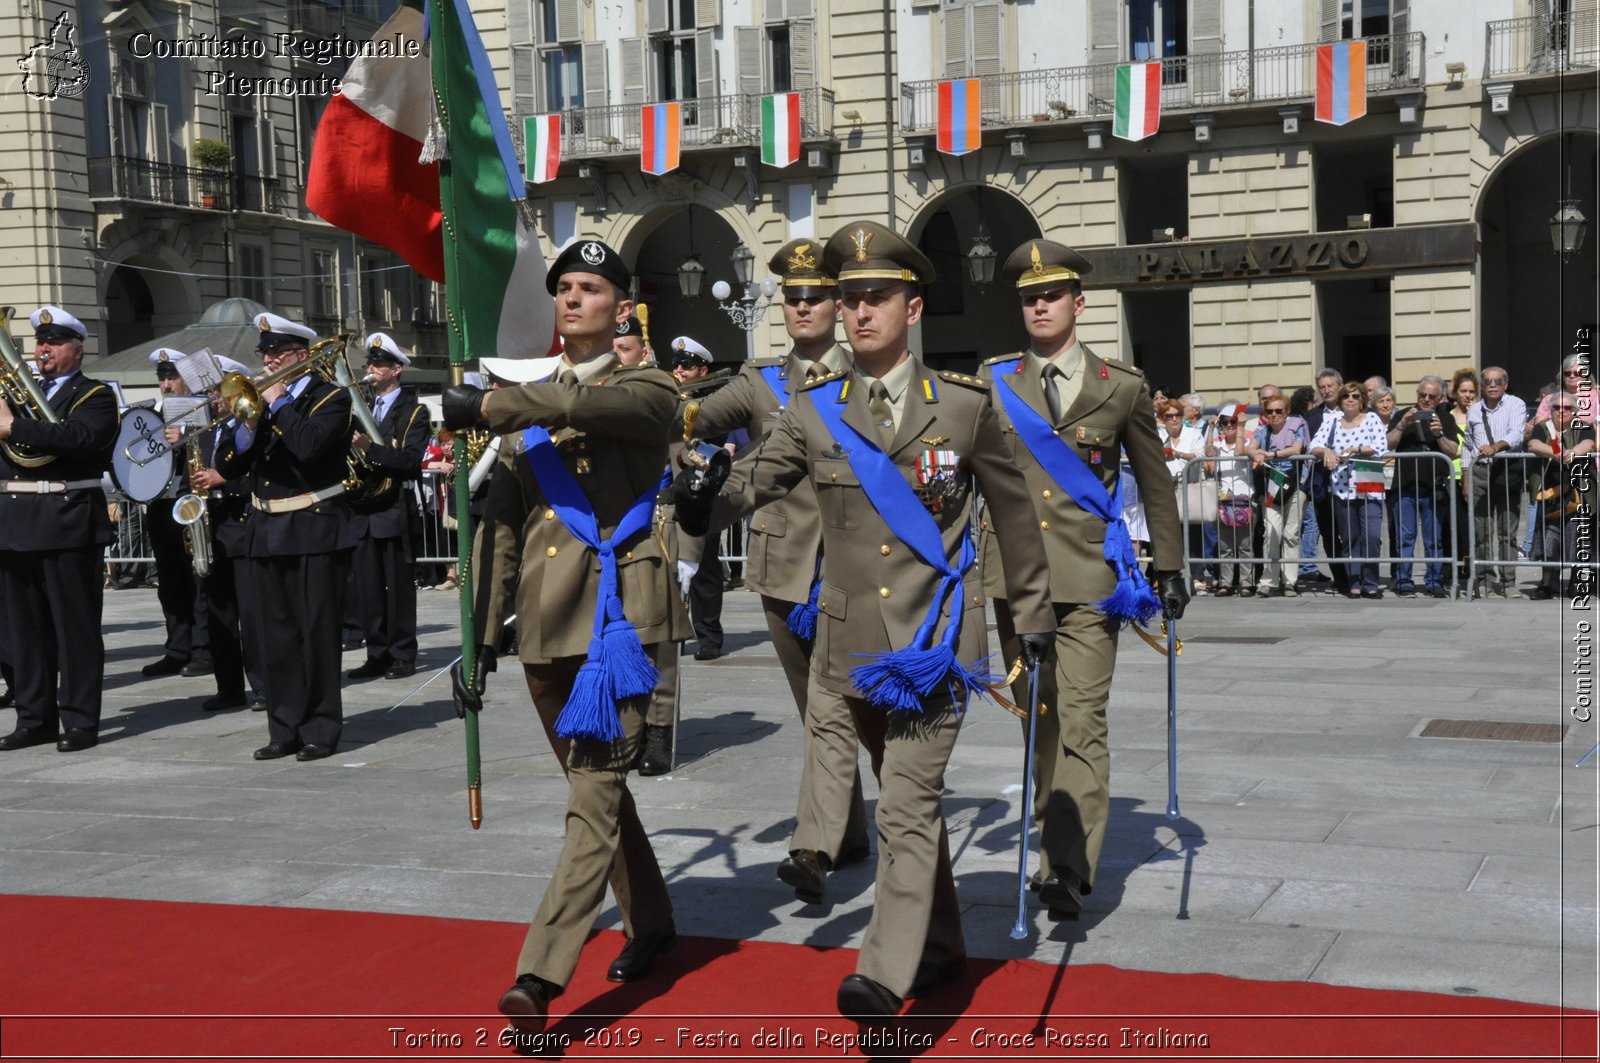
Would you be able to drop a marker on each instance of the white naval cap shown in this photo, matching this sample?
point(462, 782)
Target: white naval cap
point(229, 365)
point(166, 360)
point(692, 348)
point(54, 323)
point(276, 330)
point(380, 347)
point(520, 370)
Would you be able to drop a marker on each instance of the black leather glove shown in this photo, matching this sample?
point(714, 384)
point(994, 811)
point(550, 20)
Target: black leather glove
point(1038, 649)
point(469, 695)
point(1173, 590)
point(462, 406)
point(695, 488)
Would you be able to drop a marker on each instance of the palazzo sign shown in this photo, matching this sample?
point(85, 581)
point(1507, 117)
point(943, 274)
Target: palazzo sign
point(1351, 251)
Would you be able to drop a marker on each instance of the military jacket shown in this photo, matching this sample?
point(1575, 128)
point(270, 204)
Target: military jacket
point(875, 591)
point(406, 429)
point(1111, 412)
point(785, 535)
point(612, 434)
point(300, 448)
point(82, 441)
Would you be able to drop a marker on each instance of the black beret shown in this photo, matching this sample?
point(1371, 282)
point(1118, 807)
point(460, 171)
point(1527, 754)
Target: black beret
point(629, 326)
point(589, 256)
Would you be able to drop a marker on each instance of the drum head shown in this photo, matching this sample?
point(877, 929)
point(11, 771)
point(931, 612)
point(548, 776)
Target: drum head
point(141, 435)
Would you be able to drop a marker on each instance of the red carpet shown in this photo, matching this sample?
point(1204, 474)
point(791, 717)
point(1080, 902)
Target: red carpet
point(112, 979)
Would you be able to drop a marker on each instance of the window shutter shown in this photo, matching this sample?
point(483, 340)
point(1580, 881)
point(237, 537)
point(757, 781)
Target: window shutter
point(1583, 32)
point(1105, 25)
point(707, 14)
point(269, 148)
point(800, 9)
point(1205, 46)
point(519, 22)
point(1328, 20)
point(985, 46)
point(747, 46)
point(635, 68)
point(160, 142)
point(803, 54)
point(956, 24)
point(569, 21)
point(658, 17)
point(595, 85)
point(524, 81)
point(705, 64)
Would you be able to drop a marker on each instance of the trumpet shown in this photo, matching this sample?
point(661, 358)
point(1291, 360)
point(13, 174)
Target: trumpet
point(190, 511)
point(21, 392)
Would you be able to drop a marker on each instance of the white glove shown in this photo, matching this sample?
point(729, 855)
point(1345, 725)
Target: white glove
point(686, 571)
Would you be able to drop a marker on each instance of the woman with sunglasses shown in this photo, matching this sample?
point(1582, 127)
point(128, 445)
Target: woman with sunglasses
point(1235, 501)
point(1357, 512)
point(1279, 438)
point(1181, 444)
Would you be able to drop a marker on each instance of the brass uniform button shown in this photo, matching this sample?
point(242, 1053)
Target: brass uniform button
point(1044, 525)
point(549, 514)
point(1047, 494)
point(833, 476)
point(884, 549)
point(883, 592)
point(549, 551)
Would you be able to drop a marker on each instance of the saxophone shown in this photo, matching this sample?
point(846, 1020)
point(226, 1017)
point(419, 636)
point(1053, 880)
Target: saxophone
point(190, 511)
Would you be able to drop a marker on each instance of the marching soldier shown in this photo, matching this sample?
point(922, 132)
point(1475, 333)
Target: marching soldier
point(785, 543)
point(177, 589)
point(1068, 415)
point(571, 509)
point(895, 451)
point(53, 532)
point(300, 540)
point(385, 562)
point(628, 343)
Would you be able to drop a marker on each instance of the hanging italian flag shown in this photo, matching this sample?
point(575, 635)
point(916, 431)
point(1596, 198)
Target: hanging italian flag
point(960, 127)
point(658, 146)
point(541, 135)
point(1368, 475)
point(1277, 484)
point(1341, 82)
point(780, 129)
point(1138, 100)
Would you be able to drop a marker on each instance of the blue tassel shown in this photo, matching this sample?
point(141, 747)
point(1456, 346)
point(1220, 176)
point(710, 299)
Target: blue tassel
point(590, 712)
point(629, 671)
point(1132, 600)
point(803, 618)
point(902, 680)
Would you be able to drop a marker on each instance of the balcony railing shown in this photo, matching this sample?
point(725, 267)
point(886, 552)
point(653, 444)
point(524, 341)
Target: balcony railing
point(1542, 45)
point(1210, 82)
point(712, 122)
point(143, 181)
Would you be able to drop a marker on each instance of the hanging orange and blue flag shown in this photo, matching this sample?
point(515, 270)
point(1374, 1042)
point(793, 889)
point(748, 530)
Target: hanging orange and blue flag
point(959, 113)
point(1341, 82)
point(658, 146)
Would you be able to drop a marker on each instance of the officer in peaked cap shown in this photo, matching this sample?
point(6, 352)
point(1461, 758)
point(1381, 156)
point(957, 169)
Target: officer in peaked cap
point(899, 450)
point(786, 539)
point(53, 530)
point(1100, 410)
point(281, 332)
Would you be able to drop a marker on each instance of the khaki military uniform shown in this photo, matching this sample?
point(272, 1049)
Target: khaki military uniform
point(781, 549)
point(1072, 767)
point(875, 593)
point(611, 429)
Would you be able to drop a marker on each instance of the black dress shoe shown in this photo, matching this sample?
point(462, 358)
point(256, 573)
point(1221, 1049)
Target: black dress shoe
point(805, 871)
point(1542, 593)
point(639, 955)
point(400, 670)
point(1061, 894)
point(218, 702)
point(7, 699)
point(374, 667)
point(258, 703)
point(314, 751)
point(76, 738)
point(194, 668)
point(23, 737)
point(931, 974)
point(655, 755)
point(351, 644)
point(1372, 595)
point(707, 653)
point(862, 998)
point(526, 1005)
point(275, 750)
point(165, 666)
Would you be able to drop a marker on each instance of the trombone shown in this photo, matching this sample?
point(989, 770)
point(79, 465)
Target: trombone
point(21, 392)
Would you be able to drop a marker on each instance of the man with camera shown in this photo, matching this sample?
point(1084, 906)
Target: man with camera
point(1420, 482)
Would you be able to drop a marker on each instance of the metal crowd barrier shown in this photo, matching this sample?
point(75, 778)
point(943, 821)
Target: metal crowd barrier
point(1500, 493)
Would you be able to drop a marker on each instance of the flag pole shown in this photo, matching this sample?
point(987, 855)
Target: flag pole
point(459, 347)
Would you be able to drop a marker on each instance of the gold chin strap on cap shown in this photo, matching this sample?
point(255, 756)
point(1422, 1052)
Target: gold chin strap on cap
point(1154, 643)
point(995, 692)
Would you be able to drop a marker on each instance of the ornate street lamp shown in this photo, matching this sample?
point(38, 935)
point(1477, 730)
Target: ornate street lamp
point(690, 276)
point(980, 259)
point(1568, 227)
point(753, 304)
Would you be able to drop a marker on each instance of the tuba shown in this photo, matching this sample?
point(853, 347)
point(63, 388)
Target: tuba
point(22, 394)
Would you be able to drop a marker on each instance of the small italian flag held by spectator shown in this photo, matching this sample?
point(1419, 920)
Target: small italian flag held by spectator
point(1277, 481)
point(1368, 476)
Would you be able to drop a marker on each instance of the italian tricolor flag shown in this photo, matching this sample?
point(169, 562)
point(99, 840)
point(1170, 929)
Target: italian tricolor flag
point(1138, 100)
point(382, 154)
point(1277, 481)
point(541, 134)
point(1368, 476)
point(780, 129)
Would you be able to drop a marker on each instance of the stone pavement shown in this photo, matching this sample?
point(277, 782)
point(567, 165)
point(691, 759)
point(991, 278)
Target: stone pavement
point(1321, 838)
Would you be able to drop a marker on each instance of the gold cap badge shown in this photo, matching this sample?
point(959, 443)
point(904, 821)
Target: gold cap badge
point(802, 260)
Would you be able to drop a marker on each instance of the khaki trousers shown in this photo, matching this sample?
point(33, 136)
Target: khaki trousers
point(821, 830)
point(915, 914)
point(605, 842)
point(1072, 757)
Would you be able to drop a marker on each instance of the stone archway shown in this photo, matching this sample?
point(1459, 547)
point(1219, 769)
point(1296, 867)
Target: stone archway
point(148, 290)
point(963, 324)
point(1530, 301)
point(664, 239)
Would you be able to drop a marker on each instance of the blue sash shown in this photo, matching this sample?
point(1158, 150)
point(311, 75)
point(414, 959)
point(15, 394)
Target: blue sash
point(803, 617)
point(1133, 599)
point(901, 680)
point(617, 666)
point(773, 375)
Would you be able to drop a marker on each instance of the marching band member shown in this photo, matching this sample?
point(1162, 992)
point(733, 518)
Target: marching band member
point(177, 589)
point(53, 533)
point(300, 540)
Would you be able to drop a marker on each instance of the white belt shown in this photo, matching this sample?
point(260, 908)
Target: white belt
point(45, 487)
point(295, 503)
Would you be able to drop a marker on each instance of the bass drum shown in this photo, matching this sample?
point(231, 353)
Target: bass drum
point(141, 434)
